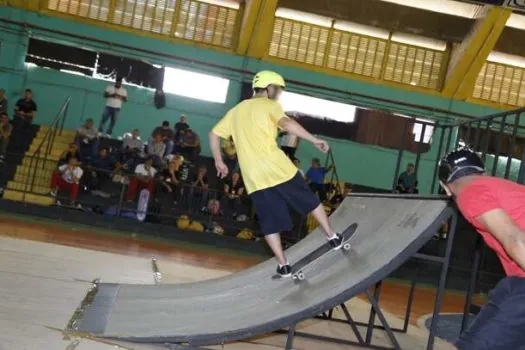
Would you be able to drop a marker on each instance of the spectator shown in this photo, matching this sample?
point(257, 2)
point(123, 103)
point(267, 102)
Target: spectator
point(5, 133)
point(338, 197)
point(233, 190)
point(114, 95)
point(191, 144)
point(230, 153)
point(167, 135)
point(297, 163)
point(102, 167)
point(132, 153)
point(315, 178)
point(407, 181)
point(143, 179)
point(170, 178)
point(3, 102)
point(181, 125)
point(67, 176)
point(71, 152)
point(199, 190)
point(87, 140)
point(25, 109)
point(156, 148)
point(289, 144)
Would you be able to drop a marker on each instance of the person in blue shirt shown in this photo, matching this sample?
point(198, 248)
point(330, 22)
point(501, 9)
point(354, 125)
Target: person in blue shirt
point(407, 181)
point(315, 178)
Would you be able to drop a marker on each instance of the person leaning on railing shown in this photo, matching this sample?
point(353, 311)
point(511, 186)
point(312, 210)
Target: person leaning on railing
point(233, 190)
point(170, 178)
point(5, 133)
point(70, 152)
point(67, 176)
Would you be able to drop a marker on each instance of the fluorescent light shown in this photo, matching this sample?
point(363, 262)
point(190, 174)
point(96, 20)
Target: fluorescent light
point(319, 107)
point(72, 72)
point(304, 17)
point(421, 41)
point(448, 7)
point(516, 21)
point(195, 85)
point(505, 58)
point(362, 29)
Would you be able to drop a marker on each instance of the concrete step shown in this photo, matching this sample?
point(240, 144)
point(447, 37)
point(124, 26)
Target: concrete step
point(43, 190)
point(18, 196)
point(39, 163)
point(54, 155)
point(66, 132)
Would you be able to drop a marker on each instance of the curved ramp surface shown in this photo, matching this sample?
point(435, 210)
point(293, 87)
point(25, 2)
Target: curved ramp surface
point(391, 229)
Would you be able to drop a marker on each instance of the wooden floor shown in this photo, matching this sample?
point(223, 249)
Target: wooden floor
point(198, 264)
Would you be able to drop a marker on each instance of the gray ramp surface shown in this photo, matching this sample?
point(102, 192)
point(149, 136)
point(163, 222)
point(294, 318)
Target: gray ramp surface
point(391, 229)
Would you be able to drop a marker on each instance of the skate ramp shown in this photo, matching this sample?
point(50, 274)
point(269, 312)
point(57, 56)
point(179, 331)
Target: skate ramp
point(391, 229)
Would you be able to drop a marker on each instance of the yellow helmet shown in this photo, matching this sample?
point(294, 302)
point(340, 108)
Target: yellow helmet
point(264, 78)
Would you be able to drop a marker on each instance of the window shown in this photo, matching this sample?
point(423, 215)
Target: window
point(195, 85)
point(318, 107)
point(418, 129)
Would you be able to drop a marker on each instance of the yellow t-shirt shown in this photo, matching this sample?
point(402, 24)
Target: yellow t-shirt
point(253, 126)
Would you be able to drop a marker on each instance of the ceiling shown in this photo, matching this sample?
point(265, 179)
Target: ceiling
point(398, 18)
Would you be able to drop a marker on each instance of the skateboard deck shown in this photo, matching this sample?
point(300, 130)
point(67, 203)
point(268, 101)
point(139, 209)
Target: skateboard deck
point(311, 257)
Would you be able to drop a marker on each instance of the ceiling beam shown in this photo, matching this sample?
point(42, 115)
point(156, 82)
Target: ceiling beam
point(257, 27)
point(468, 58)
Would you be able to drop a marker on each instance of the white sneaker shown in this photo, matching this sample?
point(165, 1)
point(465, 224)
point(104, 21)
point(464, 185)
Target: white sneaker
point(53, 193)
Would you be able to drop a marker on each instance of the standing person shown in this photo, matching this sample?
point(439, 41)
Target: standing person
point(115, 95)
point(3, 102)
point(25, 109)
point(496, 209)
point(270, 177)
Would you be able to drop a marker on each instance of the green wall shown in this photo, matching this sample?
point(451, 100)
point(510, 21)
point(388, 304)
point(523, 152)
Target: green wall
point(365, 165)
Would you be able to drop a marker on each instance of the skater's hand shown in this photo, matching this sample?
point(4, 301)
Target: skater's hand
point(321, 145)
point(222, 169)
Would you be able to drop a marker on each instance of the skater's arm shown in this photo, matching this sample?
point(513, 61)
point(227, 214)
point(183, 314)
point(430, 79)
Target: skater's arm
point(511, 237)
point(293, 127)
point(215, 146)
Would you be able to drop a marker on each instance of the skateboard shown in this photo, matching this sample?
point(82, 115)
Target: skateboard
point(298, 274)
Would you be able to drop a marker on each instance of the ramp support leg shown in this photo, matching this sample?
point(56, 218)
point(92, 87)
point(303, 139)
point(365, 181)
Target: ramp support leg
point(410, 301)
point(289, 339)
point(352, 324)
point(372, 318)
point(383, 320)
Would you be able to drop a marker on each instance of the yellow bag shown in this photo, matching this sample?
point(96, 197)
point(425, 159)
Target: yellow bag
point(183, 222)
point(196, 226)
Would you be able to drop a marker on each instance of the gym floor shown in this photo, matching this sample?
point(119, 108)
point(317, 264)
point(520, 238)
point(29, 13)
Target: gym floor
point(46, 269)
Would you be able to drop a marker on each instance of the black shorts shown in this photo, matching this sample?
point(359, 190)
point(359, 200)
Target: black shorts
point(501, 322)
point(271, 204)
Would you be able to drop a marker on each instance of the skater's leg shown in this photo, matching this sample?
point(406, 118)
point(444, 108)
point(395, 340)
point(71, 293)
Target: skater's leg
point(274, 241)
point(321, 217)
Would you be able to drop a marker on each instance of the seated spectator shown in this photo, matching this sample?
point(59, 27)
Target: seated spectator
point(230, 153)
point(25, 110)
point(5, 133)
point(181, 125)
point(191, 145)
point(297, 163)
point(198, 192)
point(87, 140)
point(102, 168)
point(132, 152)
point(3, 102)
point(167, 135)
point(143, 179)
point(71, 152)
point(67, 176)
point(170, 178)
point(233, 190)
point(156, 148)
point(315, 178)
point(407, 181)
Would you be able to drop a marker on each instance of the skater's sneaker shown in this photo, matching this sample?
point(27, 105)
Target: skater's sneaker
point(336, 241)
point(284, 270)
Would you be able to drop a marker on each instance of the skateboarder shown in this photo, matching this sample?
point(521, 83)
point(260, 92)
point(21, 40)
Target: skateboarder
point(270, 177)
point(496, 209)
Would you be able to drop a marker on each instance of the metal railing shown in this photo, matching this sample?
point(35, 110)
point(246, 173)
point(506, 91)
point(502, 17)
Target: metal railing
point(41, 156)
point(498, 138)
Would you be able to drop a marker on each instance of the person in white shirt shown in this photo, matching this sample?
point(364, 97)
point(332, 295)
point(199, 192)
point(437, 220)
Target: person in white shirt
point(114, 95)
point(67, 176)
point(143, 179)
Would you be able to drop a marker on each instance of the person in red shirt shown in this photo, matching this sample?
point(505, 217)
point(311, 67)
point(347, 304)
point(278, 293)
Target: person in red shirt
point(496, 209)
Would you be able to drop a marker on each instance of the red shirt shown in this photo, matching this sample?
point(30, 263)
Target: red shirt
point(487, 193)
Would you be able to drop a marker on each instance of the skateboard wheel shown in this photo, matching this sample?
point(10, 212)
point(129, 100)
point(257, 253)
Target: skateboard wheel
point(300, 276)
point(347, 246)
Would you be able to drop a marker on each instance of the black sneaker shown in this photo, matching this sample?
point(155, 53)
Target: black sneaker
point(336, 242)
point(284, 271)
